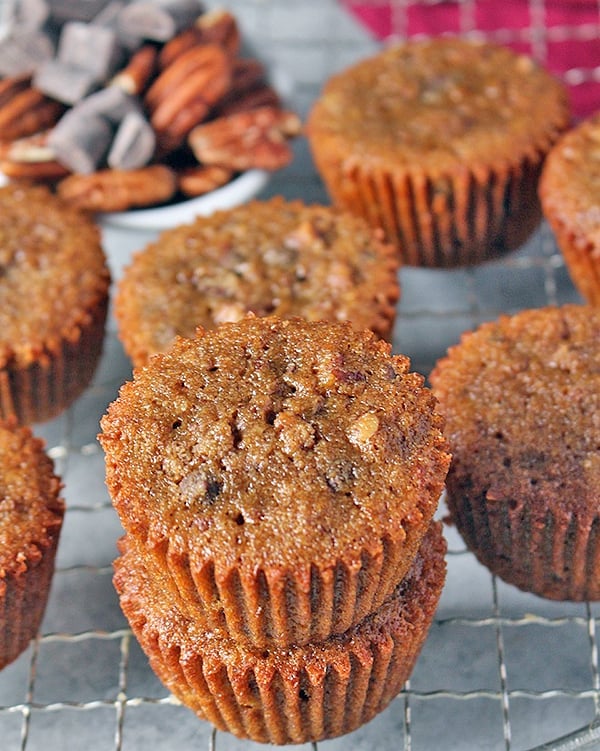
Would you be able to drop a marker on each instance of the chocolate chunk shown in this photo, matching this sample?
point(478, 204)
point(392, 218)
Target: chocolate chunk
point(31, 14)
point(109, 18)
point(134, 143)
point(80, 141)
point(111, 102)
point(89, 47)
point(109, 15)
point(64, 82)
point(340, 475)
point(67, 10)
point(23, 52)
point(199, 487)
point(159, 20)
point(213, 489)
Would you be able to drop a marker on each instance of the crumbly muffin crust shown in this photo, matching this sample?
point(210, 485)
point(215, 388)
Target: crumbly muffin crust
point(271, 257)
point(440, 143)
point(521, 397)
point(570, 195)
point(31, 514)
point(292, 695)
point(31, 509)
point(441, 102)
point(53, 273)
point(284, 462)
point(54, 284)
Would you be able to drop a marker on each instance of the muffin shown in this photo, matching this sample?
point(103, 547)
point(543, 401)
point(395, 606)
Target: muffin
point(286, 695)
point(277, 475)
point(570, 196)
point(31, 514)
point(440, 142)
point(521, 397)
point(54, 290)
point(270, 258)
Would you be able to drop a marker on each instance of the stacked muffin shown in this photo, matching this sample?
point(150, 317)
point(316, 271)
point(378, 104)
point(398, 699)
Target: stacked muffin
point(277, 481)
point(271, 257)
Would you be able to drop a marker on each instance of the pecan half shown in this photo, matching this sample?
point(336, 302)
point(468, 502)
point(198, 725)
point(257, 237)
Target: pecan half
point(180, 43)
point(246, 74)
point(207, 84)
point(136, 75)
point(47, 170)
point(209, 58)
point(219, 26)
point(28, 112)
point(213, 27)
point(11, 86)
point(248, 89)
point(174, 134)
point(261, 96)
point(196, 181)
point(250, 139)
point(119, 190)
point(18, 105)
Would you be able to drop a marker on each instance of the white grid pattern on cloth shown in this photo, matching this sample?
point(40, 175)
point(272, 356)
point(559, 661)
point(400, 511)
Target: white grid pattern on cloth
point(500, 670)
point(579, 25)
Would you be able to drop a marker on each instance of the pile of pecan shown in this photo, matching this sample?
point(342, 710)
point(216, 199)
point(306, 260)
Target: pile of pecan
point(178, 118)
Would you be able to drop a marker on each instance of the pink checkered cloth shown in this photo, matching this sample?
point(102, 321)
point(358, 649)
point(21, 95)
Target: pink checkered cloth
point(563, 35)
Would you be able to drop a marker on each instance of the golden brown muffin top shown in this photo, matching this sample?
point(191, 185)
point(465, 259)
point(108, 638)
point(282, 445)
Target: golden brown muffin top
point(439, 102)
point(269, 258)
point(570, 182)
point(275, 443)
point(52, 271)
point(30, 508)
point(521, 397)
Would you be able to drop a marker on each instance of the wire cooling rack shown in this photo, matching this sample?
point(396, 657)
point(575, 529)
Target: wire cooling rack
point(501, 670)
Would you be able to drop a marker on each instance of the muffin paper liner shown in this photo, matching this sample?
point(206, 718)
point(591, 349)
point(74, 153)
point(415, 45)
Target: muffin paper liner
point(581, 255)
point(553, 555)
point(49, 385)
point(23, 599)
point(445, 220)
point(293, 695)
point(279, 606)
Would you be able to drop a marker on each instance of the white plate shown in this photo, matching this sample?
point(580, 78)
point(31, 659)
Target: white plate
point(236, 192)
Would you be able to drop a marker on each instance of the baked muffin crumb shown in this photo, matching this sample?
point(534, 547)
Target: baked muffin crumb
point(274, 257)
point(31, 515)
point(521, 397)
point(54, 282)
point(275, 468)
point(440, 143)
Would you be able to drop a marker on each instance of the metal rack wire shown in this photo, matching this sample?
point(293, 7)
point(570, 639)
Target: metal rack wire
point(86, 662)
point(501, 669)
